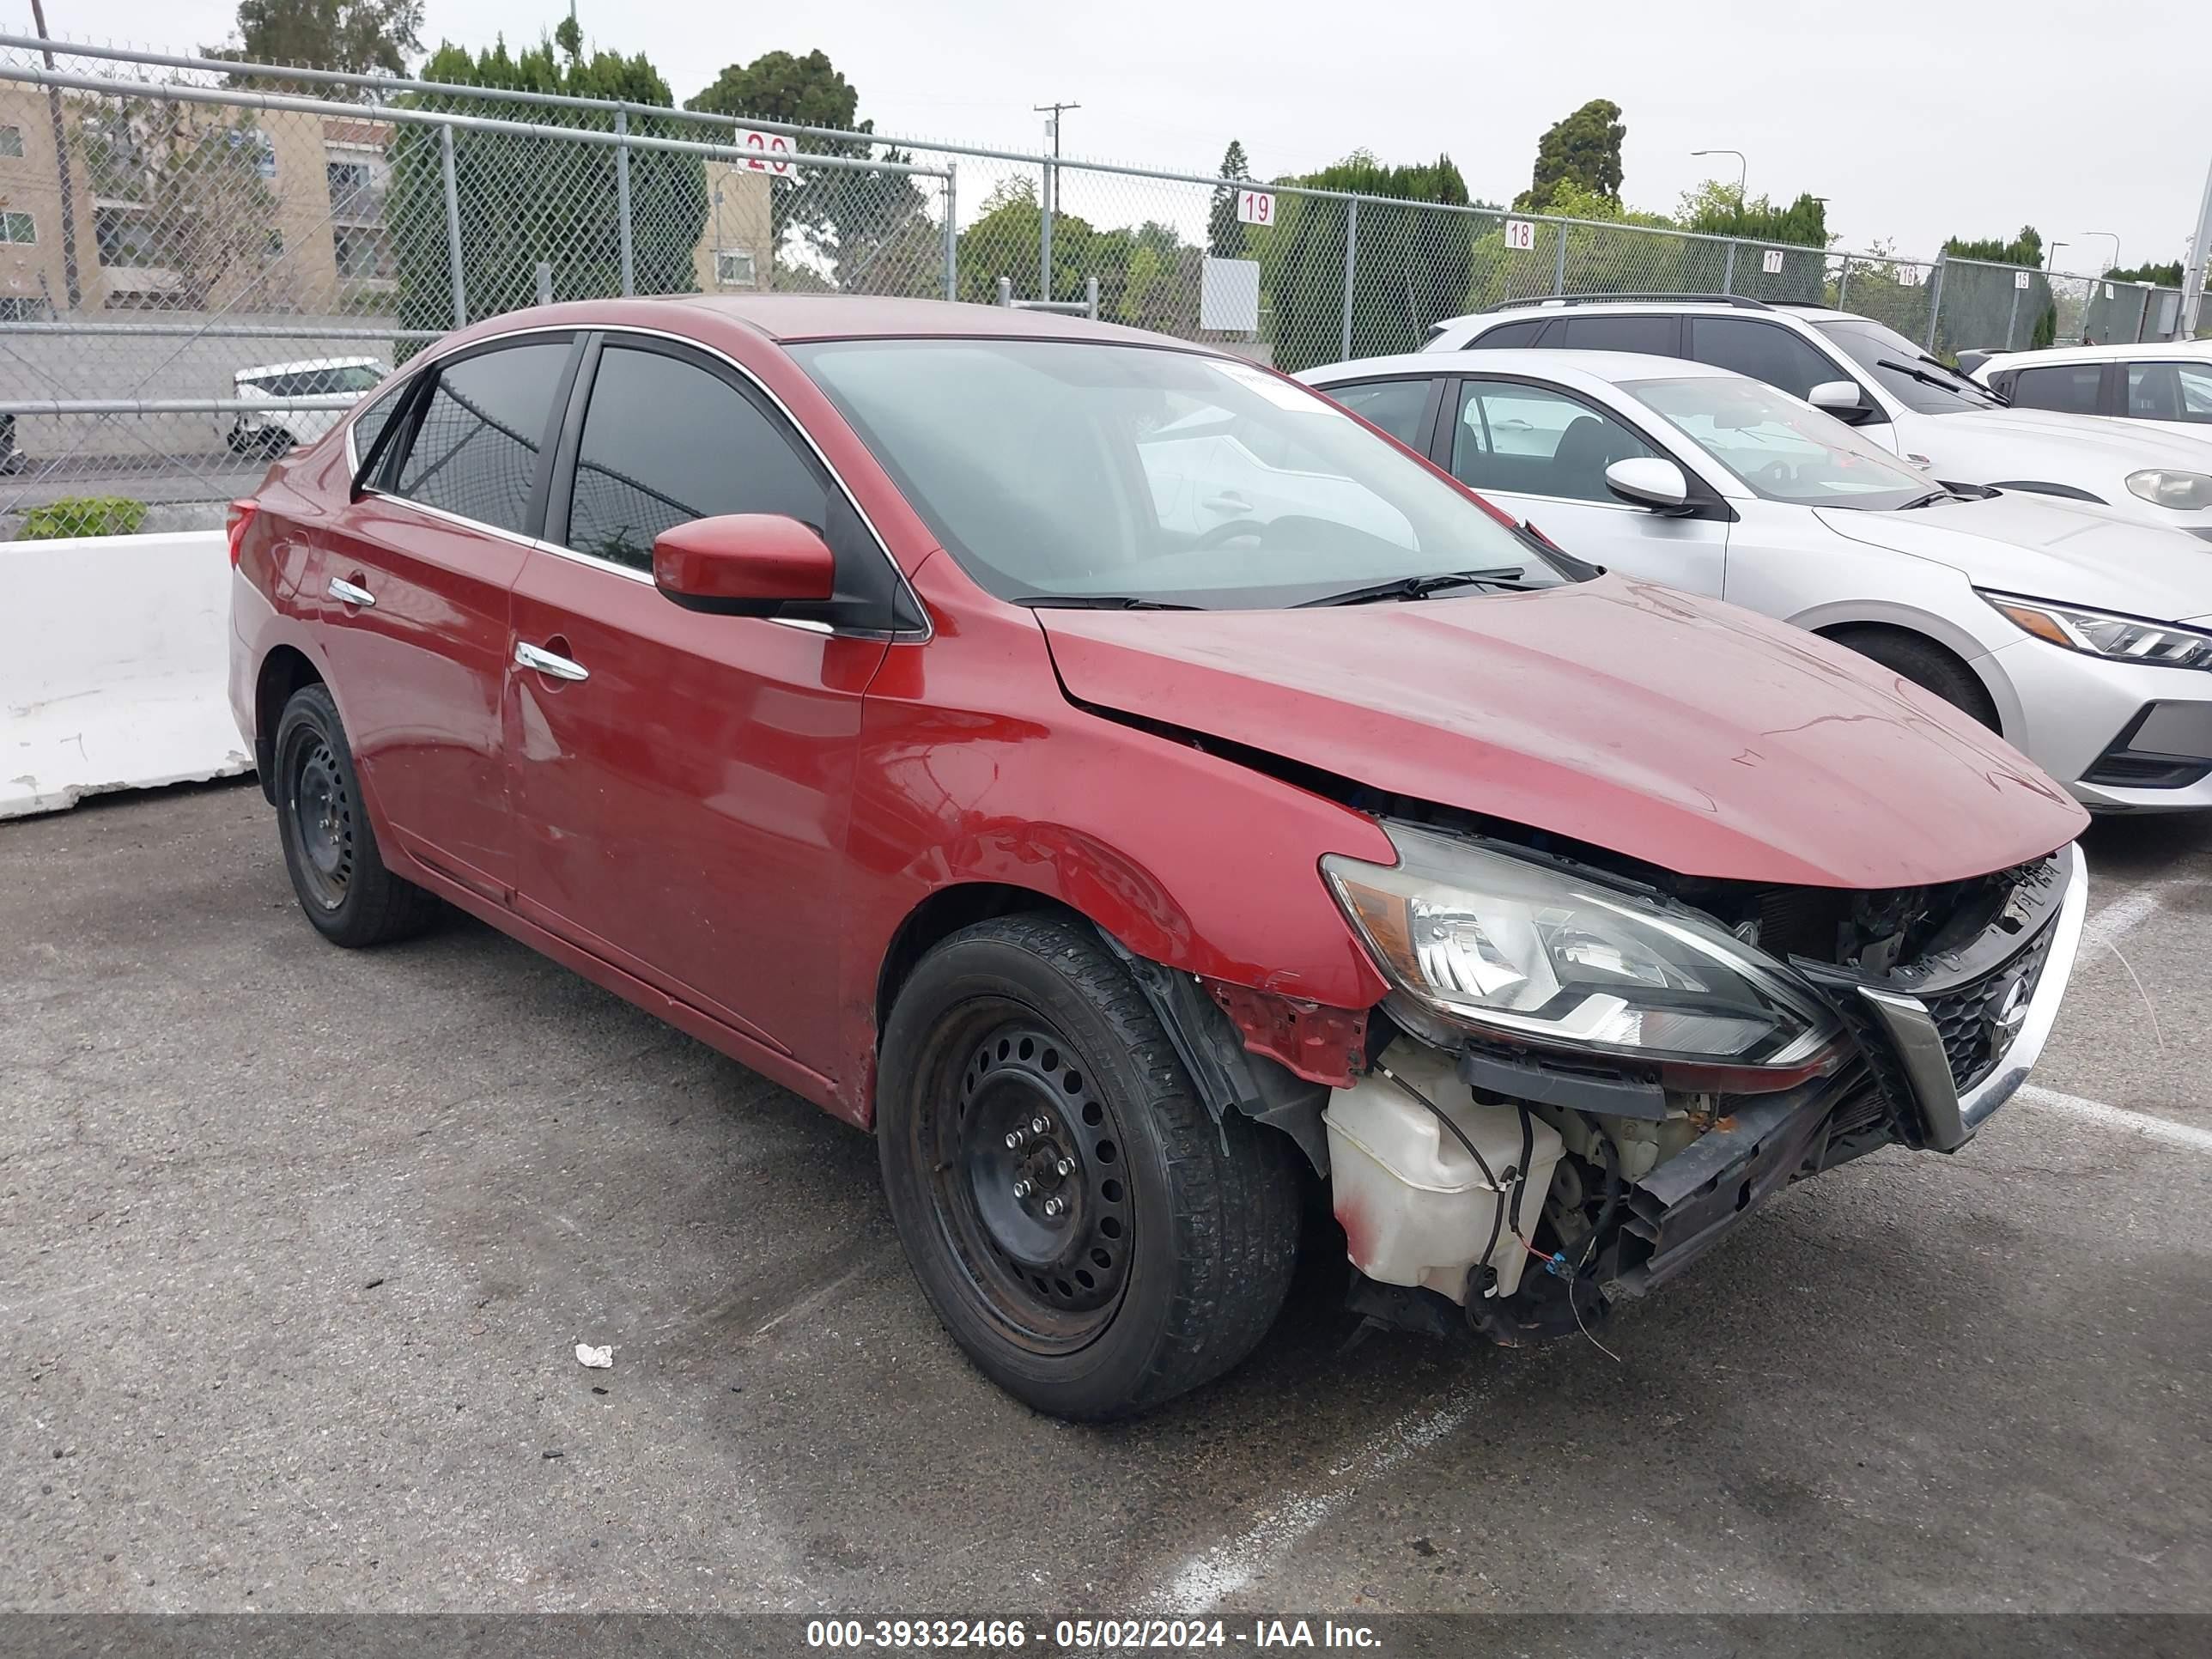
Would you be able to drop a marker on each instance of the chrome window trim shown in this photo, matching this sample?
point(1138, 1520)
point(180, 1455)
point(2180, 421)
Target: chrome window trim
point(436, 354)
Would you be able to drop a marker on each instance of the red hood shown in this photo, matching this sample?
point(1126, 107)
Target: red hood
point(1676, 730)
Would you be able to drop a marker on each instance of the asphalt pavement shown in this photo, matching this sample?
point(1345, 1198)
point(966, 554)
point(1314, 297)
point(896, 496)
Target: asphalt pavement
point(296, 1245)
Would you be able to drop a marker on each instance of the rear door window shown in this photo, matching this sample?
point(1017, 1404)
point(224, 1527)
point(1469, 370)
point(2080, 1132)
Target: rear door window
point(1640, 331)
point(667, 440)
point(1765, 351)
point(2068, 388)
point(1528, 440)
point(2170, 391)
point(1397, 406)
point(476, 451)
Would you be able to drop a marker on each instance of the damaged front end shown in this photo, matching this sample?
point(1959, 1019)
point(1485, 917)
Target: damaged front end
point(1585, 1076)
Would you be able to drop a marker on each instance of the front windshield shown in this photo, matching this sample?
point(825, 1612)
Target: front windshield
point(1906, 373)
point(1784, 450)
point(1080, 469)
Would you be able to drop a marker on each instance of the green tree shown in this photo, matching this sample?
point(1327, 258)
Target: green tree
point(361, 37)
point(1718, 209)
point(847, 216)
point(1610, 251)
point(523, 201)
point(1224, 231)
point(1583, 150)
point(1413, 263)
point(1983, 308)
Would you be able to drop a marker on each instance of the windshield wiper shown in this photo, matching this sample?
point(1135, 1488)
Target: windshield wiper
point(1929, 500)
point(1953, 384)
point(1097, 602)
point(1419, 588)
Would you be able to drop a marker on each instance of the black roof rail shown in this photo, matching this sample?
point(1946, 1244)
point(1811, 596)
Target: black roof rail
point(1741, 302)
point(1804, 305)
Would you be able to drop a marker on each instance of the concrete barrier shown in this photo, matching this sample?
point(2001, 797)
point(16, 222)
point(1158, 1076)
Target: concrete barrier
point(114, 656)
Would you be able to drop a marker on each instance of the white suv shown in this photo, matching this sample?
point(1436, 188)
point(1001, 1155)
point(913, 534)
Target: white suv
point(1875, 379)
point(2163, 383)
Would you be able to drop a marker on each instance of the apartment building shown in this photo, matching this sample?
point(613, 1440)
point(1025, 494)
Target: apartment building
point(285, 214)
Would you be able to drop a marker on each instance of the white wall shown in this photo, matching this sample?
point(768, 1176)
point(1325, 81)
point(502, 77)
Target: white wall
point(115, 654)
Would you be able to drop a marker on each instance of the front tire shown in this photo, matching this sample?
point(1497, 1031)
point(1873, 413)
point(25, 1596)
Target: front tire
point(1927, 665)
point(330, 849)
point(1128, 1251)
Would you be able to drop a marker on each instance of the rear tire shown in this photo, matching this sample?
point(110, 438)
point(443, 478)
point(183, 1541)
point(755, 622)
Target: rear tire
point(1927, 665)
point(330, 849)
point(1174, 1240)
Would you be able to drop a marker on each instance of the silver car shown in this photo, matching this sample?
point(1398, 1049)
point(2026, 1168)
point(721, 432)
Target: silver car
point(2084, 637)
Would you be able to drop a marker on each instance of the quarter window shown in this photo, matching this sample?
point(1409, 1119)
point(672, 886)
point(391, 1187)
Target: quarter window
point(369, 423)
point(1523, 333)
point(1396, 406)
point(666, 441)
point(1638, 331)
point(1765, 351)
point(2170, 392)
point(476, 449)
point(2069, 388)
point(1525, 441)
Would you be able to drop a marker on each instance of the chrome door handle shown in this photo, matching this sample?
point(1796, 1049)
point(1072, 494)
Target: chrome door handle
point(342, 589)
point(529, 656)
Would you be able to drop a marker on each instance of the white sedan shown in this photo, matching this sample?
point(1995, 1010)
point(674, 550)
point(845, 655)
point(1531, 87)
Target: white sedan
point(2082, 637)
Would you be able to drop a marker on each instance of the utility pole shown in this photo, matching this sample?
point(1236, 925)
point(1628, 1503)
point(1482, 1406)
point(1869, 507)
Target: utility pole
point(62, 168)
point(2192, 279)
point(1053, 113)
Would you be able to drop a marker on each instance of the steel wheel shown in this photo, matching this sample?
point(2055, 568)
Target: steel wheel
point(319, 811)
point(1027, 1182)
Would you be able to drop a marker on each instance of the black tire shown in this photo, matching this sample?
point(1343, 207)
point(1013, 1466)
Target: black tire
point(1927, 665)
point(1178, 1238)
point(328, 847)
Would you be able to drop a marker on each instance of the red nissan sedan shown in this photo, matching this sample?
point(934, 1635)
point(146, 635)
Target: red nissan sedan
point(1136, 789)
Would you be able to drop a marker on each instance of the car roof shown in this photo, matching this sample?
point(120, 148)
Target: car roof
point(1541, 306)
point(1610, 367)
point(786, 317)
point(2118, 351)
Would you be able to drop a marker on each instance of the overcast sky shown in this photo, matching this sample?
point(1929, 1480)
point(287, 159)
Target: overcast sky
point(1916, 121)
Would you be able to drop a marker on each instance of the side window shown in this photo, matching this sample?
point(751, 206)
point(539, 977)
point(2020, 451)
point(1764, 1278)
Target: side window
point(2170, 391)
point(666, 441)
point(1396, 406)
point(476, 451)
point(1523, 333)
point(1527, 441)
point(1765, 351)
point(2070, 388)
point(1638, 332)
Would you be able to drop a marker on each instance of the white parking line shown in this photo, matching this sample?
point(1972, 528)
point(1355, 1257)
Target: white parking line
point(2123, 916)
point(1206, 1580)
point(2148, 1124)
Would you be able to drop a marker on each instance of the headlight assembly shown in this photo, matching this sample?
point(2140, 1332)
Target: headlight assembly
point(2182, 491)
point(2100, 634)
point(1513, 949)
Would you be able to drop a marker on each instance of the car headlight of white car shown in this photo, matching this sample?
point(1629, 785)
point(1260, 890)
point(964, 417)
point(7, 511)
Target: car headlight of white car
point(1521, 950)
point(2101, 634)
point(2163, 487)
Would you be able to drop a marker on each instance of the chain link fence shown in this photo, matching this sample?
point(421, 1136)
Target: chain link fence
point(202, 262)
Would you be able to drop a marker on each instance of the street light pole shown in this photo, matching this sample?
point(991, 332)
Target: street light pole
point(2113, 262)
point(2050, 261)
point(1743, 169)
point(1051, 196)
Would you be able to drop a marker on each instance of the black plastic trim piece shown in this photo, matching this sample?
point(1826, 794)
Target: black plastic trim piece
point(1578, 1089)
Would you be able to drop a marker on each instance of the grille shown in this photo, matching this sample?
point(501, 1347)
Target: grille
point(1962, 1016)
